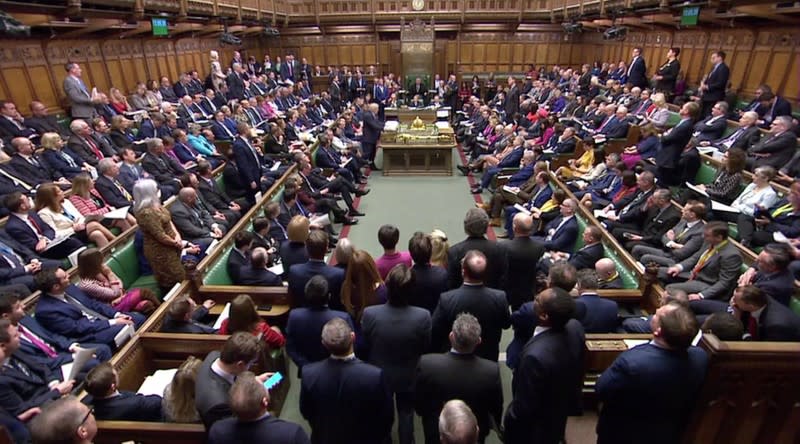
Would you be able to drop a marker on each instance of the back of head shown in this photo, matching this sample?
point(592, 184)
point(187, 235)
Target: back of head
point(180, 396)
point(298, 229)
point(562, 275)
point(678, 326)
point(420, 248)
point(559, 307)
point(240, 347)
point(337, 337)
point(243, 314)
point(317, 244)
point(466, 333)
point(476, 222)
point(399, 285)
point(724, 326)
point(247, 397)
point(63, 421)
point(388, 236)
point(316, 291)
point(587, 280)
point(179, 308)
point(457, 424)
point(474, 266)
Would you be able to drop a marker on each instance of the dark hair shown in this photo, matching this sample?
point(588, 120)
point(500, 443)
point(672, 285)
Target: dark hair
point(399, 285)
point(5, 337)
point(243, 238)
point(203, 167)
point(243, 315)
point(46, 279)
point(388, 236)
point(240, 346)
point(736, 160)
point(90, 263)
point(720, 53)
point(289, 195)
point(696, 207)
point(317, 244)
point(420, 248)
point(724, 326)
point(717, 228)
point(316, 291)
point(676, 51)
point(753, 295)
point(260, 223)
point(780, 254)
point(7, 302)
point(562, 275)
point(628, 178)
point(99, 380)
point(587, 279)
point(559, 307)
point(678, 326)
point(13, 201)
point(179, 307)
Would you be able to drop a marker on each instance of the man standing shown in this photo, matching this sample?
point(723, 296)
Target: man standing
point(637, 70)
point(667, 369)
point(511, 104)
point(373, 127)
point(343, 398)
point(80, 99)
point(522, 255)
point(488, 305)
point(476, 222)
point(712, 88)
point(461, 374)
point(546, 381)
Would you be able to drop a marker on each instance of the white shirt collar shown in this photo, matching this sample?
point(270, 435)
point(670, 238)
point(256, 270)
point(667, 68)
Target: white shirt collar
point(349, 357)
point(215, 367)
point(693, 223)
point(539, 330)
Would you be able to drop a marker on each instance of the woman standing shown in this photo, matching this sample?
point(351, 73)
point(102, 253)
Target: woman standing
point(162, 242)
point(217, 76)
point(362, 285)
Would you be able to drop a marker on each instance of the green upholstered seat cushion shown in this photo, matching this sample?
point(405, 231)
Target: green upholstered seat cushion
point(218, 273)
point(673, 119)
point(706, 173)
point(794, 304)
point(629, 279)
point(125, 264)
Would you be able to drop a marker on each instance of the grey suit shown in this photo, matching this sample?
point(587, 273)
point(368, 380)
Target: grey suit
point(396, 337)
point(80, 99)
point(691, 239)
point(211, 393)
point(716, 280)
point(193, 224)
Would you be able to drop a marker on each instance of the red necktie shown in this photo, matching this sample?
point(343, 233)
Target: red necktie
point(752, 327)
point(35, 225)
point(43, 346)
point(93, 146)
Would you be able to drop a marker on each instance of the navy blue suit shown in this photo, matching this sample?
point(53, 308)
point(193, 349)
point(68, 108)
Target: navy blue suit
point(429, 283)
point(127, 406)
point(266, 429)
point(303, 332)
point(57, 162)
point(672, 144)
point(25, 235)
point(520, 177)
point(292, 253)
point(111, 194)
point(649, 372)
point(20, 391)
point(596, 314)
point(563, 239)
point(615, 128)
point(510, 161)
point(249, 166)
point(637, 73)
point(219, 131)
point(523, 322)
point(259, 277)
point(299, 274)
point(346, 402)
point(67, 319)
point(587, 256)
point(60, 344)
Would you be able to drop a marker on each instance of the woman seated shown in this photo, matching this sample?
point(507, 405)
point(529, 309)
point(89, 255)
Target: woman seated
point(275, 143)
point(178, 401)
point(362, 285)
point(758, 196)
point(199, 142)
point(88, 201)
point(646, 148)
point(99, 282)
point(580, 166)
point(601, 200)
point(118, 101)
point(60, 158)
point(66, 220)
point(726, 183)
point(244, 317)
point(658, 115)
point(121, 134)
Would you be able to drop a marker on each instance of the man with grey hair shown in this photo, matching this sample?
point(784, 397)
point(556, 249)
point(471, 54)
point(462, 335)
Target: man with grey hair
point(235, 81)
point(162, 168)
point(775, 150)
point(109, 187)
point(249, 401)
point(83, 144)
point(192, 222)
point(343, 398)
point(522, 254)
point(457, 424)
point(743, 138)
point(561, 232)
point(476, 222)
point(459, 374)
point(660, 215)
point(65, 420)
point(714, 126)
point(487, 304)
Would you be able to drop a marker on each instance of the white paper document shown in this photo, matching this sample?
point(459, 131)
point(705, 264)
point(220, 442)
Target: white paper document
point(600, 214)
point(780, 237)
point(124, 335)
point(718, 206)
point(172, 292)
point(696, 189)
point(226, 312)
point(277, 269)
point(512, 190)
point(322, 220)
point(522, 209)
point(119, 213)
point(442, 125)
point(70, 370)
point(156, 383)
point(275, 166)
point(634, 342)
point(391, 125)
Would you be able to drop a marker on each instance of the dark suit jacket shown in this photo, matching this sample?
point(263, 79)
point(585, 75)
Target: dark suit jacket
point(162, 168)
point(710, 128)
point(776, 323)
point(234, 185)
point(110, 193)
point(24, 234)
point(249, 165)
point(211, 393)
point(235, 86)
point(236, 262)
point(778, 150)
point(747, 138)
point(259, 277)
point(495, 259)
point(429, 283)
point(292, 253)
point(267, 429)
point(213, 195)
point(127, 406)
point(395, 338)
point(649, 372)
point(79, 146)
point(721, 271)
point(372, 127)
point(596, 314)
point(672, 144)
point(9, 131)
point(191, 224)
point(545, 386)
point(66, 319)
point(717, 82)
point(488, 305)
point(522, 255)
point(337, 396)
point(299, 274)
point(692, 240)
point(511, 104)
point(57, 162)
point(587, 256)
point(445, 376)
point(615, 128)
point(20, 392)
point(778, 285)
point(46, 124)
point(564, 238)
point(303, 330)
point(669, 72)
point(219, 131)
point(658, 222)
point(29, 173)
point(638, 73)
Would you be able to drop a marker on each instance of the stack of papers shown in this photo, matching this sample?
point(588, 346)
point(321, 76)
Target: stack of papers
point(391, 125)
point(226, 312)
point(119, 213)
point(156, 383)
point(70, 370)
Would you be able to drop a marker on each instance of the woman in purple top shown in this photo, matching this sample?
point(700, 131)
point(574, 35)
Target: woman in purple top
point(388, 236)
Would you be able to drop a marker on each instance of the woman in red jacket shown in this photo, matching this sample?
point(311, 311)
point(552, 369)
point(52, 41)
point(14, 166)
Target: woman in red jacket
point(244, 317)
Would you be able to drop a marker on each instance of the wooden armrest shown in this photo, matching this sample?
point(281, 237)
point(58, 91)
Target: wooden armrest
point(261, 295)
point(622, 295)
point(149, 432)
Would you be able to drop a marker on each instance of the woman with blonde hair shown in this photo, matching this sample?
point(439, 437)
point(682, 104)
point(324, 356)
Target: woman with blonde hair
point(121, 134)
point(217, 76)
point(88, 201)
point(65, 161)
point(244, 317)
point(178, 401)
point(293, 251)
point(118, 101)
point(99, 282)
point(66, 220)
point(659, 114)
point(439, 248)
point(362, 285)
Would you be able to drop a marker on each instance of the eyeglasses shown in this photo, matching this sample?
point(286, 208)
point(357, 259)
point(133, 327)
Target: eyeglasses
point(90, 412)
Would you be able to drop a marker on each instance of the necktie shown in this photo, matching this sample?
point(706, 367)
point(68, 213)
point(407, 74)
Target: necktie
point(19, 365)
point(41, 345)
point(728, 141)
point(36, 226)
point(32, 160)
point(94, 148)
point(782, 210)
point(704, 258)
point(123, 190)
point(682, 233)
point(290, 71)
point(88, 312)
point(8, 254)
point(68, 159)
point(752, 327)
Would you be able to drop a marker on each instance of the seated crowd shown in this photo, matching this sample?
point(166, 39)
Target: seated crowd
point(415, 331)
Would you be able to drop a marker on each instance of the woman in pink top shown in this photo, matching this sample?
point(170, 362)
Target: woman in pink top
point(100, 283)
point(388, 236)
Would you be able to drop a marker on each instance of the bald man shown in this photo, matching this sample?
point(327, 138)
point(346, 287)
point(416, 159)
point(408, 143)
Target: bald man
point(607, 275)
point(487, 304)
point(194, 223)
point(522, 255)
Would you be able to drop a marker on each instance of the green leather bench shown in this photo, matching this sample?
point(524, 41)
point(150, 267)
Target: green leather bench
point(125, 264)
point(217, 274)
point(673, 119)
point(629, 280)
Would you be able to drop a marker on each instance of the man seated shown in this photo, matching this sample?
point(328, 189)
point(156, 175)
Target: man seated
point(20, 263)
point(608, 277)
point(12, 124)
point(193, 223)
point(252, 422)
point(629, 212)
point(223, 215)
point(771, 273)
point(709, 274)
point(562, 232)
point(239, 257)
point(44, 122)
point(42, 346)
point(162, 168)
point(256, 273)
point(643, 324)
point(764, 318)
point(678, 243)
point(66, 310)
point(743, 138)
point(586, 256)
point(776, 149)
point(110, 404)
point(34, 233)
point(596, 314)
point(659, 217)
point(783, 217)
point(714, 126)
point(24, 383)
point(185, 316)
point(26, 165)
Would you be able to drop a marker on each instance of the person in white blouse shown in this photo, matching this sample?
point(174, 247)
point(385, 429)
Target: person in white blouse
point(66, 220)
point(757, 196)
